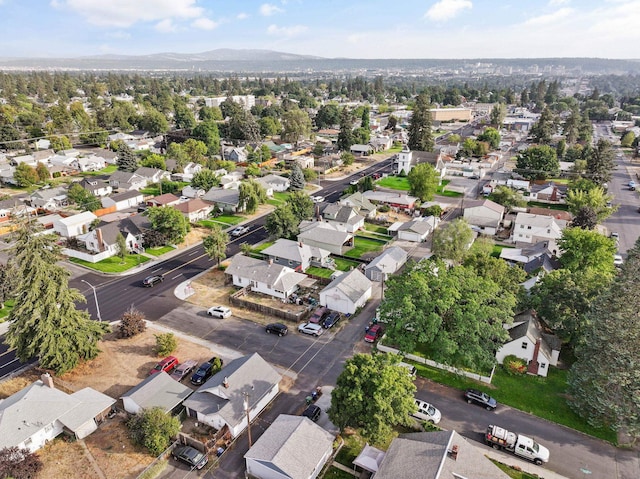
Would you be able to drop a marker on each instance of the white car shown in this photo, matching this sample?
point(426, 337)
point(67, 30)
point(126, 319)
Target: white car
point(240, 230)
point(427, 412)
point(617, 259)
point(219, 312)
point(317, 199)
point(354, 182)
point(310, 328)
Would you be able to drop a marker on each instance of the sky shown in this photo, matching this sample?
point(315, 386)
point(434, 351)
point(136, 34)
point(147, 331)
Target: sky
point(325, 28)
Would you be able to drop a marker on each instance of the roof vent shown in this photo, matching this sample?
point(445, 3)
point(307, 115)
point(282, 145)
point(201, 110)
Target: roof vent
point(453, 453)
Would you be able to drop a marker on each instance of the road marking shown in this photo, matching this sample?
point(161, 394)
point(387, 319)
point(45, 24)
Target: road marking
point(7, 364)
point(156, 270)
point(177, 276)
point(195, 252)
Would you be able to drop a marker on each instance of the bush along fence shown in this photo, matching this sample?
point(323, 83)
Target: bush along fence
point(429, 362)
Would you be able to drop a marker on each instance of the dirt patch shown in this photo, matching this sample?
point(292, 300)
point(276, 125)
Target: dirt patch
point(12, 386)
point(64, 459)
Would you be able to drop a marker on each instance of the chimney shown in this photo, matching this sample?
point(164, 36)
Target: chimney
point(225, 382)
point(47, 380)
point(99, 239)
point(270, 261)
point(453, 453)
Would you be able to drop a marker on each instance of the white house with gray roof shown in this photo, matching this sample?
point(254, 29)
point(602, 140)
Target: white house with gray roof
point(485, 215)
point(40, 412)
point(297, 255)
point(276, 455)
point(274, 182)
point(360, 204)
point(347, 292)
point(75, 225)
point(415, 230)
point(124, 200)
point(157, 390)
point(344, 218)
point(221, 402)
point(224, 199)
point(49, 198)
point(530, 228)
point(264, 277)
point(325, 236)
point(389, 262)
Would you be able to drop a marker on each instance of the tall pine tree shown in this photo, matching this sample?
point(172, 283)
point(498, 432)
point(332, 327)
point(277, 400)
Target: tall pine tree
point(45, 322)
point(127, 160)
point(420, 134)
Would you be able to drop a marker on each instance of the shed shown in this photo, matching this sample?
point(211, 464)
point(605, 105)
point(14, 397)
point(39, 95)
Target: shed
point(157, 390)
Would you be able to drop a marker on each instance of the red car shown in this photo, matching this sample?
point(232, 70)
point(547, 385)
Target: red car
point(318, 315)
point(167, 365)
point(374, 333)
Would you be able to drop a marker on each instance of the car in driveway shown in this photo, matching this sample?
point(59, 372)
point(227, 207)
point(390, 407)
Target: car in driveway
point(167, 365)
point(151, 281)
point(239, 231)
point(312, 412)
point(277, 328)
point(190, 456)
point(374, 333)
point(474, 396)
point(204, 372)
point(219, 312)
point(332, 318)
point(183, 369)
point(618, 260)
point(427, 412)
point(318, 315)
point(310, 328)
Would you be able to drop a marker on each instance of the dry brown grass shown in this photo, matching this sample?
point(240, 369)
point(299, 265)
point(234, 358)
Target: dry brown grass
point(63, 460)
point(12, 386)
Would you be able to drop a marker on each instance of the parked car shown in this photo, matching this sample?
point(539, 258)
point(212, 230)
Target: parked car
point(427, 412)
point(317, 199)
point(191, 456)
point(331, 319)
point(183, 369)
point(312, 412)
point(632, 185)
point(277, 328)
point(151, 281)
point(219, 312)
point(483, 399)
point(239, 231)
point(318, 315)
point(374, 333)
point(354, 182)
point(167, 365)
point(204, 372)
point(310, 328)
point(618, 260)
point(376, 176)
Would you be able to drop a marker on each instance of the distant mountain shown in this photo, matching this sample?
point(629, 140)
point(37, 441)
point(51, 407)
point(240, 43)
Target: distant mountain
point(218, 55)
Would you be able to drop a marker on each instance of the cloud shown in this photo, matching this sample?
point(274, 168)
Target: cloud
point(557, 3)
point(242, 16)
point(124, 13)
point(120, 35)
point(204, 24)
point(447, 9)
point(165, 26)
point(268, 9)
point(550, 17)
point(288, 32)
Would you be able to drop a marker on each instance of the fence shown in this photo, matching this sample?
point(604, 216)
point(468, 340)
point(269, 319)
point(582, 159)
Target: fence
point(236, 300)
point(429, 362)
point(89, 257)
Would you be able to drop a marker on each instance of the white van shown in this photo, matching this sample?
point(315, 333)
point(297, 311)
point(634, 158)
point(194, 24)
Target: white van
point(410, 368)
point(426, 412)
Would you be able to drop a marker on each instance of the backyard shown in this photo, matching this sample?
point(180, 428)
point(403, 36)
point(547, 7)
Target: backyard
point(113, 264)
point(363, 246)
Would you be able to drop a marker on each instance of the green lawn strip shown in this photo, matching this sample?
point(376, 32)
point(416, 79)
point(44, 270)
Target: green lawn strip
point(230, 219)
point(335, 473)
point(322, 272)
point(364, 245)
point(345, 264)
point(394, 149)
point(394, 183)
point(559, 181)
point(497, 249)
point(375, 228)
point(105, 171)
point(369, 234)
point(159, 251)
point(551, 206)
point(514, 473)
point(113, 264)
point(353, 444)
point(8, 306)
point(541, 397)
point(451, 194)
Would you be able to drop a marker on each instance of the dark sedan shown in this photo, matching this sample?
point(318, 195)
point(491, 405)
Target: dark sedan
point(483, 399)
point(312, 412)
point(331, 320)
point(205, 371)
point(277, 328)
point(190, 456)
point(151, 281)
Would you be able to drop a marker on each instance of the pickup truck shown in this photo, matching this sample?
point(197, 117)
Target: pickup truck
point(499, 438)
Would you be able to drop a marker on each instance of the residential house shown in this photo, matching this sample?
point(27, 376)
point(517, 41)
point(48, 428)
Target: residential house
point(231, 180)
point(89, 163)
point(63, 161)
point(224, 200)
point(550, 192)
point(152, 175)
point(136, 226)
point(484, 215)
point(42, 144)
point(407, 159)
point(264, 277)
point(75, 225)
point(360, 204)
point(192, 192)
point(40, 412)
point(96, 186)
point(119, 136)
point(369, 459)
point(415, 230)
point(275, 182)
point(302, 161)
point(14, 208)
point(530, 228)
point(123, 201)
point(238, 155)
point(244, 387)
point(194, 210)
point(297, 255)
point(529, 341)
point(401, 201)
point(388, 262)
point(157, 390)
point(43, 156)
point(361, 150)
point(532, 258)
point(49, 198)
point(436, 455)
point(47, 221)
point(557, 214)
point(104, 239)
point(347, 292)
point(381, 143)
point(325, 236)
point(276, 454)
point(6, 173)
point(167, 199)
point(343, 218)
point(27, 159)
point(125, 181)
point(108, 156)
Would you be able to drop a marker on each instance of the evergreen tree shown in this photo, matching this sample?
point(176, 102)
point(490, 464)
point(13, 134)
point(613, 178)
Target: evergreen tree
point(45, 323)
point(296, 180)
point(126, 160)
point(420, 134)
point(345, 137)
point(600, 163)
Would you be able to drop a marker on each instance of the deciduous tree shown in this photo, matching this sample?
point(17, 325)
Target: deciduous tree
point(282, 223)
point(205, 179)
point(215, 244)
point(251, 195)
point(301, 205)
point(16, 463)
point(25, 175)
point(583, 249)
point(538, 163)
point(452, 240)
point(153, 429)
point(83, 198)
point(507, 197)
point(296, 124)
point(132, 323)
point(170, 223)
point(423, 179)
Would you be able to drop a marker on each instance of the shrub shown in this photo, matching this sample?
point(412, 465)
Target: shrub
point(132, 323)
point(384, 208)
point(514, 365)
point(217, 365)
point(19, 463)
point(435, 210)
point(153, 429)
point(165, 344)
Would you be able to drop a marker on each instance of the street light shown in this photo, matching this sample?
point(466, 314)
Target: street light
point(95, 297)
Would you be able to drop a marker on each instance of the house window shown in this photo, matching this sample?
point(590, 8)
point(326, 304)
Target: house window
point(521, 226)
point(524, 345)
point(48, 427)
point(548, 231)
point(543, 365)
point(519, 235)
point(528, 227)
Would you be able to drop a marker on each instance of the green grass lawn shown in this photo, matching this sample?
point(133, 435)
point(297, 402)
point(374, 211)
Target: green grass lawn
point(364, 245)
point(353, 444)
point(322, 272)
point(395, 183)
point(344, 264)
point(335, 473)
point(105, 171)
point(551, 206)
point(368, 234)
point(222, 220)
point(394, 149)
point(514, 473)
point(113, 264)
point(375, 228)
point(262, 246)
point(8, 306)
point(497, 249)
point(159, 251)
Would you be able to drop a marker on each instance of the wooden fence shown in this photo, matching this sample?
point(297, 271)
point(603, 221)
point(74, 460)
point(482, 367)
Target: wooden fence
point(236, 299)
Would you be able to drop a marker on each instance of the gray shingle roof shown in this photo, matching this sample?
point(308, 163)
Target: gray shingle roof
point(281, 444)
point(353, 284)
point(125, 195)
point(159, 390)
point(325, 233)
point(275, 276)
point(389, 261)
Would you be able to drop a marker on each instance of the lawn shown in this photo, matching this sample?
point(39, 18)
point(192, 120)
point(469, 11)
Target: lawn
point(322, 272)
point(105, 171)
point(514, 473)
point(394, 182)
point(335, 473)
point(159, 251)
point(376, 228)
point(113, 264)
point(8, 306)
point(364, 245)
point(541, 397)
point(222, 220)
point(345, 264)
point(279, 198)
point(551, 206)
point(442, 191)
point(369, 234)
point(262, 246)
point(353, 444)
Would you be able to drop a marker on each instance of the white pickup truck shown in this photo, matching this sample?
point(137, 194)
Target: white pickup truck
point(499, 438)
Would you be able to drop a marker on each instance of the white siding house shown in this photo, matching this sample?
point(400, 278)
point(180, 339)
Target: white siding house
point(347, 292)
point(75, 225)
point(264, 276)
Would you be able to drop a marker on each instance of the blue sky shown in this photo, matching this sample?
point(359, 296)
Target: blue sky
point(327, 28)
